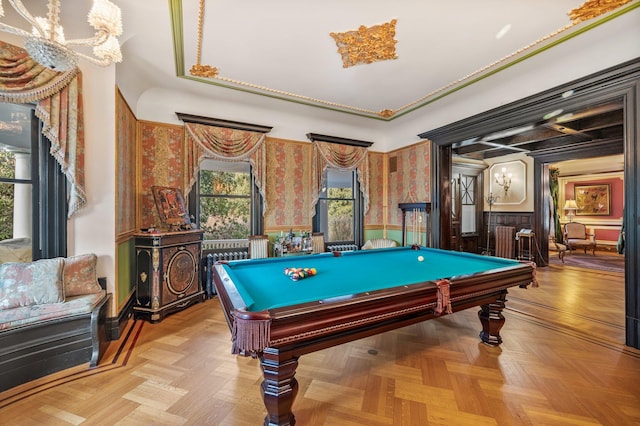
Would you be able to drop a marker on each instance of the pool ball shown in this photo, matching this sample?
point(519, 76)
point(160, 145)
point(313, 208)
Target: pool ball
point(420, 258)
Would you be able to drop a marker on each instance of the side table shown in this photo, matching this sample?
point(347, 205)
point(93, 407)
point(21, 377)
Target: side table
point(525, 245)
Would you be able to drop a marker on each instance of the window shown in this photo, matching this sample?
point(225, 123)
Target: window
point(228, 203)
point(468, 201)
point(15, 192)
point(33, 192)
point(339, 209)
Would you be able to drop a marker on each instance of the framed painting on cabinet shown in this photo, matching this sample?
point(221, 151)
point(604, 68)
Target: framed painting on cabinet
point(171, 207)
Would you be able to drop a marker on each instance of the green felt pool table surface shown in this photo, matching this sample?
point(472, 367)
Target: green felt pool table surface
point(263, 285)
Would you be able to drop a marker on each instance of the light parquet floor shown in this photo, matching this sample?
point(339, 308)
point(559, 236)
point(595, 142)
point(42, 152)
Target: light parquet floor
point(562, 362)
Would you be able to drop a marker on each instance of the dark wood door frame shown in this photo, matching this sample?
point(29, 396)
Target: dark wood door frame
point(619, 82)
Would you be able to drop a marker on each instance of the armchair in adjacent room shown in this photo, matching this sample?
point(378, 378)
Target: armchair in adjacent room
point(577, 236)
point(556, 246)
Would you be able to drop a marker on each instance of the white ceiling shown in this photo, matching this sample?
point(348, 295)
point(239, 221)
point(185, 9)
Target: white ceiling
point(283, 49)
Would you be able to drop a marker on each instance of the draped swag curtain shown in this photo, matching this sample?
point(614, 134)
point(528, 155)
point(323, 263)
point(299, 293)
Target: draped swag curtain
point(224, 144)
point(58, 99)
point(344, 158)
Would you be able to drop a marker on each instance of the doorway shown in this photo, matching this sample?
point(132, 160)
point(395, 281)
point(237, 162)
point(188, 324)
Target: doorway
point(619, 84)
point(601, 179)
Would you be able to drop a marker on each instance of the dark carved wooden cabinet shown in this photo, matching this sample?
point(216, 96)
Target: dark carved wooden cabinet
point(167, 273)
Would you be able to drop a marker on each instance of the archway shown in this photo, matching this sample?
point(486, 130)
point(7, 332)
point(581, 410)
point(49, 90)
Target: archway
point(617, 83)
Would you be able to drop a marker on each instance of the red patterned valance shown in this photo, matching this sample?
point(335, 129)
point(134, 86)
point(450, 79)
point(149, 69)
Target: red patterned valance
point(225, 144)
point(341, 157)
point(58, 98)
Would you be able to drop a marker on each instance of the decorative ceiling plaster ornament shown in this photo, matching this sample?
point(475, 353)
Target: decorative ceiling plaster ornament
point(586, 11)
point(594, 8)
point(367, 45)
point(197, 69)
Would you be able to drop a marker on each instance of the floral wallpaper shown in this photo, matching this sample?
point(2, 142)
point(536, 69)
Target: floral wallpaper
point(161, 152)
point(126, 166)
point(160, 155)
point(410, 181)
point(375, 215)
point(288, 183)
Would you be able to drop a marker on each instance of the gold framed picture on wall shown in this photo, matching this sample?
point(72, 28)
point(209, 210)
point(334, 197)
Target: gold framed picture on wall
point(593, 200)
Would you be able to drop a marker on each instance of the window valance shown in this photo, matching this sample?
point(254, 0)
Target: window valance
point(341, 157)
point(225, 144)
point(58, 99)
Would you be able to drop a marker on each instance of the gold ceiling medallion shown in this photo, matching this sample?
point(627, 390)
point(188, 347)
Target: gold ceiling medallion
point(594, 8)
point(367, 45)
point(198, 70)
point(588, 10)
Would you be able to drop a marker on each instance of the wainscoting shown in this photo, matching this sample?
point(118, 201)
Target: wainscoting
point(518, 220)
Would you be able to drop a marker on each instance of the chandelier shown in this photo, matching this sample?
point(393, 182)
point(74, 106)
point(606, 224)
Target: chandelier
point(47, 45)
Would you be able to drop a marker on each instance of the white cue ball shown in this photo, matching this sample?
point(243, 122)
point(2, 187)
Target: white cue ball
point(420, 258)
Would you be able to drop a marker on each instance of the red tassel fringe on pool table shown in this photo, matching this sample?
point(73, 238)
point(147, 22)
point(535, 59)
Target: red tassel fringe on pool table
point(250, 335)
point(444, 302)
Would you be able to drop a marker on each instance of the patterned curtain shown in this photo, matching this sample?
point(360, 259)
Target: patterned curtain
point(58, 99)
point(221, 143)
point(555, 216)
point(341, 157)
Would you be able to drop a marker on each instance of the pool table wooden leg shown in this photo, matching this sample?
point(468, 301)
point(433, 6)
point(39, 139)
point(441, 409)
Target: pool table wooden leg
point(279, 387)
point(492, 321)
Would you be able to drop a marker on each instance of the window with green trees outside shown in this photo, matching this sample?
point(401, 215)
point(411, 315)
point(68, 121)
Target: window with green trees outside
point(225, 200)
point(338, 212)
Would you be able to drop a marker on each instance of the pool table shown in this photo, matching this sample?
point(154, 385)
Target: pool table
point(351, 296)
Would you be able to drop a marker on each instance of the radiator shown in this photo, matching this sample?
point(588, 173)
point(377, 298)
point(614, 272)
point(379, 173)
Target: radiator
point(228, 255)
point(505, 241)
point(211, 259)
point(342, 247)
point(221, 245)
point(258, 247)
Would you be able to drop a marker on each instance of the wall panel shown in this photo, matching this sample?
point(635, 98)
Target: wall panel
point(410, 180)
point(160, 157)
point(288, 185)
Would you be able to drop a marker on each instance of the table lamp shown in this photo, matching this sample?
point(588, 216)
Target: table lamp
point(571, 206)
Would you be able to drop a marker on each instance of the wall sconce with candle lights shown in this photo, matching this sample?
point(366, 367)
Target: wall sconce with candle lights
point(504, 180)
point(509, 181)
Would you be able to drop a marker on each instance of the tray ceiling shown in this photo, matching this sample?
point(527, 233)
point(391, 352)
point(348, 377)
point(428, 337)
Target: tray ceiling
point(288, 50)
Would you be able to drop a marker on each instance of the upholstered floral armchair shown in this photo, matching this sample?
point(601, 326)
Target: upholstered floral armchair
point(577, 236)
